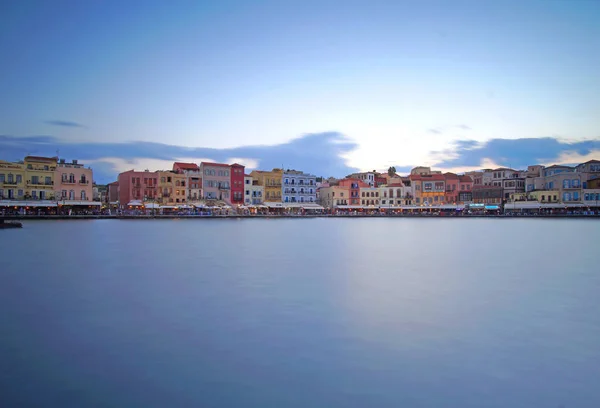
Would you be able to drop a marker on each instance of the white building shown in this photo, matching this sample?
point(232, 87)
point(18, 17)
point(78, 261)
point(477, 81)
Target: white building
point(367, 176)
point(298, 187)
point(253, 193)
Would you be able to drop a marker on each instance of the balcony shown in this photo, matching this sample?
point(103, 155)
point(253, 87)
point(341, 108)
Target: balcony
point(84, 182)
point(224, 188)
point(570, 187)
point(68, 181)
point(40, 183)
point(11, 183)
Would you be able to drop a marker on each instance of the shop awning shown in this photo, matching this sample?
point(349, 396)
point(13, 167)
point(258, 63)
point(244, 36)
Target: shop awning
point(41, 203)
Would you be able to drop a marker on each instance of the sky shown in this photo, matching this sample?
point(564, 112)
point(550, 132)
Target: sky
point(328, 87)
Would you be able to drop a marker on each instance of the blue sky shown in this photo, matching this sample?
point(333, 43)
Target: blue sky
point(402, 83)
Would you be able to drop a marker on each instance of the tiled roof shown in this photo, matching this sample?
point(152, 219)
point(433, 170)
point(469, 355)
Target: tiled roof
point(465, 179)
point(214, 164)
point(49, 159)
point(186, 166)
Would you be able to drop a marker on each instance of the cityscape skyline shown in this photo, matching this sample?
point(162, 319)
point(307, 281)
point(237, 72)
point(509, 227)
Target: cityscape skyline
point(453, 85)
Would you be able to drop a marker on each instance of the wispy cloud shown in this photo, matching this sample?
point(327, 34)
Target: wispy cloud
point(441, 129)
point(321, 154)
point(517, 153)
point(64, 123)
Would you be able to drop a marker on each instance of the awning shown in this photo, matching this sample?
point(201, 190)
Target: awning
point(135, 203)
point(492, 207)
point(152, 205)
point(274, 205)
point(41, 203)
point(167, 207)
point(75, 202)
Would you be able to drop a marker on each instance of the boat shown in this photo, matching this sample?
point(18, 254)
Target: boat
point(12, 224)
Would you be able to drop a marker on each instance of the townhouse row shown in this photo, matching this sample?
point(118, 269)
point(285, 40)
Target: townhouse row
point(46, 179)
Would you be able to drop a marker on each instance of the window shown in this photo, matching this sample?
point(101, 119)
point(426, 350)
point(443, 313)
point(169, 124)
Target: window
point(2, 178)
point(10, 178)
point(20, 193)
point(71, 194)
point(19, 179)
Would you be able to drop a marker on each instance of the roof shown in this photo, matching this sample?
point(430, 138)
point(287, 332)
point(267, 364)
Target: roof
point(428, 177)
point(395, 185)
point(214, 164)
point(237, 165)
point(114, 183)
point(40, 158)
point(465, 179)
point(451, 176)
point(186, 166)
point(591, 161)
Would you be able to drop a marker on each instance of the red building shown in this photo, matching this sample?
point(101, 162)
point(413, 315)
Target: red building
point(452, 187)
point(137, 186)
point(465, 195)
point(353, 185)
point(237, 184)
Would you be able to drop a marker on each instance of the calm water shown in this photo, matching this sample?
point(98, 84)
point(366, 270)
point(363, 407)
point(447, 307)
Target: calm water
point(301, 313)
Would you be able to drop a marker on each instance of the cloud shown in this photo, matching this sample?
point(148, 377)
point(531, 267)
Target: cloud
point(516, 153)
point(64, 123)
point(441, 129)
point(319, 153)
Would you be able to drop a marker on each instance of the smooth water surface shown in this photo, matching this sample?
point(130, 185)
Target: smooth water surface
point(301, 313)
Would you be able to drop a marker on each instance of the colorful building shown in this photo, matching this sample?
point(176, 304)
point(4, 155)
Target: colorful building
point(39, 177)
point(465, 194)
point(12, 181)
point(137, 186)
point(429, 188)
point(73, 181)
point(334, 196)
point(216, 181)
point(353, 185)
point(193, 179)
point(237, 184)
point(298, 187)
point(253, 193)
point(271, 182)
point(369, 196)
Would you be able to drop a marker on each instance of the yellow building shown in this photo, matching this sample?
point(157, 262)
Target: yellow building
point(39, 177)
point(545, 196)
point(12, 181)
point(271, 181)
point(171, 187)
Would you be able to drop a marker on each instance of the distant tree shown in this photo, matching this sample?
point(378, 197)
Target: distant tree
point(391, 171)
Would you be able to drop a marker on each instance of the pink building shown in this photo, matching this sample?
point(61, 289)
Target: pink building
point(73, 181)
point(112, 192)
point(216, 181)
point(137, 186)
point(193, 179)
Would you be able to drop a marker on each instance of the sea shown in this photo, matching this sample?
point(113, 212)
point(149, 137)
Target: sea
point(297, 313)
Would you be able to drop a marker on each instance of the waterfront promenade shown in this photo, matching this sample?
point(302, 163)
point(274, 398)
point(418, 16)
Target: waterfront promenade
point(287, 216)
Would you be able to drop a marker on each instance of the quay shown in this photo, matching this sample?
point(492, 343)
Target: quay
point(287, 216)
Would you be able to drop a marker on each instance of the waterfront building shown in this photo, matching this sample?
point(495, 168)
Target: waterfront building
point(298, 187)
point(172, 187)
point(271, 182)
point(137, 186)
point(237, 184)
point(368, 177)
point(591, 166)
point(112, 192)
point(452, 182)
point(369, 196)
point(334, 196)
point(353, 185)
point(253, 193)
point(395, 195)
point(593, 183)
point(567, 183)
point(465, 194)
point(73, 181)
point(591, 196)
point(429, 188)
point(39, 177)
point(193, 179)
point(216, 181)
point(12, 181)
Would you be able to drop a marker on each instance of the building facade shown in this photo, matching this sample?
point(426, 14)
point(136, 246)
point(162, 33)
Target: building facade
point(334, 196)
point(73, 181)
point(12, 181)
point(39, 177)
point(137, 186)
point(271, 182)
point(216, 181)
point(298, 187)
point(193, 179)
point(369, 196)
point(237, 184)
point(253, 193)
